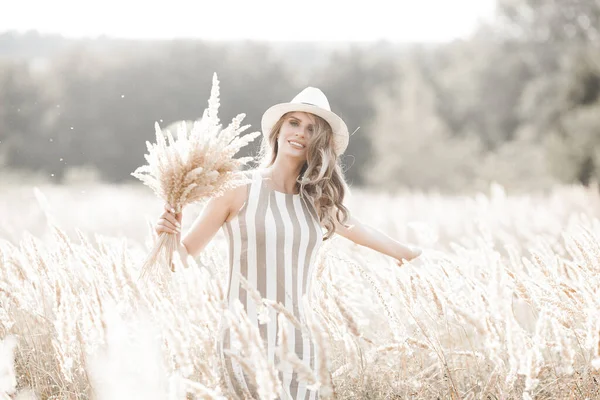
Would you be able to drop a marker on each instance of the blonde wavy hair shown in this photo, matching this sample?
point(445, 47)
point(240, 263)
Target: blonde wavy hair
point(321, 179)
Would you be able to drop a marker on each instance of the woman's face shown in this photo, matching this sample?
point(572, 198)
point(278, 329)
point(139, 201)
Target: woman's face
point(295, 134)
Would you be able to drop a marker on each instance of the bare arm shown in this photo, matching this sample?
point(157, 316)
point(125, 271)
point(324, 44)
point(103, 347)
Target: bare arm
point(206, 225)
point(365, 235)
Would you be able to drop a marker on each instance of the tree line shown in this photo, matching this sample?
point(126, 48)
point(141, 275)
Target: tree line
point(518, 102)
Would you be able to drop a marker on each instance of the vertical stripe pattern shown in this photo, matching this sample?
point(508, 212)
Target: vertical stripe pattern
point(272, 242)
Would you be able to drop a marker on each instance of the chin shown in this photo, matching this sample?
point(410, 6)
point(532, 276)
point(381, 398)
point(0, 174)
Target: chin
point(295, 155)
point(294, 151)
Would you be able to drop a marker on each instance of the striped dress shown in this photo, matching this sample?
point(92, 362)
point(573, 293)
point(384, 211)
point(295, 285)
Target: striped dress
point(273, 242)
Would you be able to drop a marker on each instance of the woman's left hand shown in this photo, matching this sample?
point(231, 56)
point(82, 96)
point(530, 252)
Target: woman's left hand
point(414, 253)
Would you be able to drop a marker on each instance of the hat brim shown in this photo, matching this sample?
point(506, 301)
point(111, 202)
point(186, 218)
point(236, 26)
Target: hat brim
point(338, 126)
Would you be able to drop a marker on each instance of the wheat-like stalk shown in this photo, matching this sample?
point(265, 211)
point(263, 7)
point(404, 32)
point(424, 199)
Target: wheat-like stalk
point(197, 165)
point(515, 319)
point(287, 356)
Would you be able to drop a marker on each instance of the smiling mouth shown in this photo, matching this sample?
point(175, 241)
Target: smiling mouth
point(296, 144)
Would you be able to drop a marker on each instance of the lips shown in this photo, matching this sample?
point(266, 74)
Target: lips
point(296, 145)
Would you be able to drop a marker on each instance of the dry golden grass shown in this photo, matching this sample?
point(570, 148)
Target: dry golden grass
point(196, 165)
point(503, 304)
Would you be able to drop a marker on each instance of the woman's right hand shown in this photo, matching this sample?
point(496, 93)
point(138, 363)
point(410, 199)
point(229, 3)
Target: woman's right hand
point(169, 221)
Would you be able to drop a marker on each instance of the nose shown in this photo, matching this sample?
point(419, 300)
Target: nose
point(300, 133)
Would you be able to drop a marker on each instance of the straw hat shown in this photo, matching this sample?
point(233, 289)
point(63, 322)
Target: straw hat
point(311, 100)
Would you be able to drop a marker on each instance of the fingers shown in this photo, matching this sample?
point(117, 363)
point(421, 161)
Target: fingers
point(171, 210)
point(169, 221)
point(171, 218)
point(415, 252)
point(165, 226)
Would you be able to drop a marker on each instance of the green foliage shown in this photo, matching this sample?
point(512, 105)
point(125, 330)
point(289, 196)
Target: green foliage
point(527, 87)
point(561, 106)
point(97, 107)
point(425, 154)
point(22, 130)
point(351, 79)
point(517, 103)
point(550, 21)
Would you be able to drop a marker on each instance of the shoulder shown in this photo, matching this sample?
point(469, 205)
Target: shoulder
point(242, 190)
point(231, 194)
point(236, 197)
point(248, 176)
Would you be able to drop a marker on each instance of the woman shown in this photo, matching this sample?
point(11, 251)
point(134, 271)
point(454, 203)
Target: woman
point(274, 225)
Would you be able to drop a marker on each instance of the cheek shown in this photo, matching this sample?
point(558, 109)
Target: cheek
point(285, 129)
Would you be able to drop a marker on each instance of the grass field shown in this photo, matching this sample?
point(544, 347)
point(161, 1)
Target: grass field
point(504, 303)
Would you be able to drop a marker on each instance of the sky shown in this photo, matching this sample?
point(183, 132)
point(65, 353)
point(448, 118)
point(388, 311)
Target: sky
point(270, 20)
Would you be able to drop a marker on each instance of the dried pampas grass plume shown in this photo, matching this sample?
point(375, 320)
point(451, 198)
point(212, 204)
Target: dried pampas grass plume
point(196, 166)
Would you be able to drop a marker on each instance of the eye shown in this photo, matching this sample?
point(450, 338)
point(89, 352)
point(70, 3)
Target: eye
point(293, 122)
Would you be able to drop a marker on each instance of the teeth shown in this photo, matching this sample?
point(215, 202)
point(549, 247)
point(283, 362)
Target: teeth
point(296, 144)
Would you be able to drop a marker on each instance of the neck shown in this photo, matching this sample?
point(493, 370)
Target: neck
point(284, 173)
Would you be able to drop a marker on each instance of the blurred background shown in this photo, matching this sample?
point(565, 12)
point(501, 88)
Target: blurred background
point(449, 96)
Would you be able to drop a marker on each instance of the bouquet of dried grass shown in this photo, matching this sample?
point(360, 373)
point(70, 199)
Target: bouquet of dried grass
point(198, 165)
